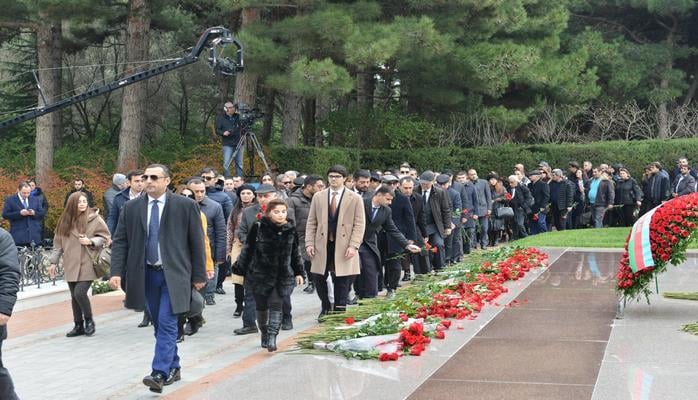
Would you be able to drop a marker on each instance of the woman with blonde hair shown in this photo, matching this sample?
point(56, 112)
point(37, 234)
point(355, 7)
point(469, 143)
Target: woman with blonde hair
point(80, 233)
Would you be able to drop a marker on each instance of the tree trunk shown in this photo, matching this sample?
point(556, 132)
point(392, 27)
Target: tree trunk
point(134, 103)
point(308, 122)
point(364, 88)
point(268, 119)
point(691, 90)
point(322, 110)
point(48, 127)
point(246, 82)
point(291, 122)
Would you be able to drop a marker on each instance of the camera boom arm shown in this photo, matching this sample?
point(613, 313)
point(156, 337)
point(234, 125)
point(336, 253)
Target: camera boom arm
point(215, 39)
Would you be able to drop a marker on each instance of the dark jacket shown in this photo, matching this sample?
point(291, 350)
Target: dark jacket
point(181, 247)
point(541, 195)
point(659, 188)
point(382, 222)
point(39, 194)
point(685, 186)
point(217, 194)
point(439, 208)
point(300, 204)
point(484, 197)
point(231, 124)
point(215, 228)
point(456, 205)
point(606, 194)
point(233, 198)
point(565, 194)
point(628, 192)
point(9, 274)
point(403, 218)
point(270, 258)
point(88, 194)
point(108, 198)
point(119, 200)
point(468, 198)
point(420, 218)
point(519, 200)
point(24, 229)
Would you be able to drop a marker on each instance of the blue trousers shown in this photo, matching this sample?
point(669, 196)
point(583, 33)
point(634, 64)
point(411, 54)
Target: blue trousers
point(210, 288)
point(164, 321)
point(539, 226)
point(228, 158)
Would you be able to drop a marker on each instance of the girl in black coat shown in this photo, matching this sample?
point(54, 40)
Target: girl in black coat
point(271, 260)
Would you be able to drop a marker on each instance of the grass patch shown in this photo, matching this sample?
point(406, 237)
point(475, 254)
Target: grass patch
point(611, 238)
point(681, 295)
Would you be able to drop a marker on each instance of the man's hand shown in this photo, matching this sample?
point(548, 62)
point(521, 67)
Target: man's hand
point(199, 285)
point(475, 217)
point(210, 274)
point(310, 250)
point(24, 212)
point(350, 253)
point(426, 240)
point(226, 133)
point(299, 280)
point(463, 220)
point(413, 249)
point(115, 282)
point(569, 209)
point(447, 232)
point(489, 212)
point(3, 319)
point(639, 203)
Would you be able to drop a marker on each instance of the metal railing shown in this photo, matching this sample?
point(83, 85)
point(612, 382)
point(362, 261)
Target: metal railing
point(34, 264)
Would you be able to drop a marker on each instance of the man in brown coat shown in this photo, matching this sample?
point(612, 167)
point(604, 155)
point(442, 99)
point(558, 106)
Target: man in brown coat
point(333, 234)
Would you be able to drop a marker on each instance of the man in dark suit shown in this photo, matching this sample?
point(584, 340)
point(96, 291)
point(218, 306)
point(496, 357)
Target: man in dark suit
point(159, 250)
point(9, 284)
point(454, 200)
point(420, 262)
point(362, 181)
point(684, 183)
point(469, 214)
point(541, 198)
point(519, 195)
point(403, 218)
point(438, 215)
point(25, 215)
point(561, 199)
point(134, 190)
point(378, 217)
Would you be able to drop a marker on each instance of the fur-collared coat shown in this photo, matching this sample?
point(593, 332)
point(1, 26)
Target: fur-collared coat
point(270, 257)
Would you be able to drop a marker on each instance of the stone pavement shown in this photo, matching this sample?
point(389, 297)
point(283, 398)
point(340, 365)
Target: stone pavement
point(218, 365)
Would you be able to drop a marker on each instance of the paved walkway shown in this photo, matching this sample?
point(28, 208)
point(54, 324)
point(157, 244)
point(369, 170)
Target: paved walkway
point(550, 346)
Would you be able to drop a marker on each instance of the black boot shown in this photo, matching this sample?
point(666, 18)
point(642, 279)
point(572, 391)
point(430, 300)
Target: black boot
point(146, 320)
point(78, 329)
point(89, 327)
point(263, 323)
point(275, 318)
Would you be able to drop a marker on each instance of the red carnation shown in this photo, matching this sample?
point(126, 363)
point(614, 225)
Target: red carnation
point(440, 335)
point(388, 357)
point(263, 207)
point(259, 216)
point(349, 321)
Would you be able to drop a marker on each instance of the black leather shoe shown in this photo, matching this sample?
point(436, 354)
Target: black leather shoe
point(145, 322)
point(155, 382)
point(321, 316)
point(287, 323)
point(210, 301)
point(180, 337)
point(406, 278)
point(174, 376)
point(191, 328)
point(78, 330)
point(238, 312)
point(89, 327)
point(220, 290)
point(310, 289)
point(246, 330)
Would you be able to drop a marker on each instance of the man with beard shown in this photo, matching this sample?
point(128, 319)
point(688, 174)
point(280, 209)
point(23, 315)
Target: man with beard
point(362, 181)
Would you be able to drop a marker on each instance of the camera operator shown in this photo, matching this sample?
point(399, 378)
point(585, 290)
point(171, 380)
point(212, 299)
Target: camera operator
point(228, 127)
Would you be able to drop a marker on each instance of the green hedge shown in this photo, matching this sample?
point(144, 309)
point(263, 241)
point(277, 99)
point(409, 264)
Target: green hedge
point(634, 155)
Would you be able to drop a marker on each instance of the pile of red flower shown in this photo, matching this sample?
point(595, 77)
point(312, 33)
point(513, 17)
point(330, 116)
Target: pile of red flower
point(464, 299)
point(670, 231)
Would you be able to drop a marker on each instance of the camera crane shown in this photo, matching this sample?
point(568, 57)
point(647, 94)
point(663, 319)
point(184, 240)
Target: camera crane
point(214, 39)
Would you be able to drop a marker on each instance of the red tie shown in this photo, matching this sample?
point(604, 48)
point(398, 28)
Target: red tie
point(333, 212)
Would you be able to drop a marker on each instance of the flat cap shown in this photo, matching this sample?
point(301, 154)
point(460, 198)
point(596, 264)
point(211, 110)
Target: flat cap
point(265, 188)
point(390, 178)
point(427, 176)
point(441, 179)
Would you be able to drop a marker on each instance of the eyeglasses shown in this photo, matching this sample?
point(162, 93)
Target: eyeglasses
point(153, 178)
point(207, 178)
point(335, 176)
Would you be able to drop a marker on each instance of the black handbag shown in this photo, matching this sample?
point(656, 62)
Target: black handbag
point(505, 212)
point(585, 217)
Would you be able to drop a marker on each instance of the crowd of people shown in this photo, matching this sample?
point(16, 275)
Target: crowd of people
point(346, 237)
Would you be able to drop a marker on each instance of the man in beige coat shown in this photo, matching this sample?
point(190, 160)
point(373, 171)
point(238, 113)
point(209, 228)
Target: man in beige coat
point(333, 234)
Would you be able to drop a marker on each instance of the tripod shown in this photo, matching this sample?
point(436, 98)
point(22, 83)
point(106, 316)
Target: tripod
point(247, 138)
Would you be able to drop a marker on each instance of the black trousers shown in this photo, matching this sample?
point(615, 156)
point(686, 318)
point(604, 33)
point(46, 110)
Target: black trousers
point(628, 214)
point(393, 268)
point(366, 285)
point(239, 294)
point(421, 263)
point(342, 286)
point(7, 388)
point(273, 302)
point(79, 300)
point(559, 219)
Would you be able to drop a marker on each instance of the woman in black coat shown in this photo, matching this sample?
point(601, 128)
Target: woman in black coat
point(629, 195)
point(271, 260)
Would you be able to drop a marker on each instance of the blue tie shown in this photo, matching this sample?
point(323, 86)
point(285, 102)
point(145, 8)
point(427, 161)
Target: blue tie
point(25, 203)
point(151, 251)
point(373, 215)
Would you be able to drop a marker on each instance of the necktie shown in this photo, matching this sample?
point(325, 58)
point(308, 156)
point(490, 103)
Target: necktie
point(333, 204)
point(151, 251)
point(373, 215)
point(25, 203)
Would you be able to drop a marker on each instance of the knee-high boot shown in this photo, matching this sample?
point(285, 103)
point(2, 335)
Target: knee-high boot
point(275, 318)
point(263, 323)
